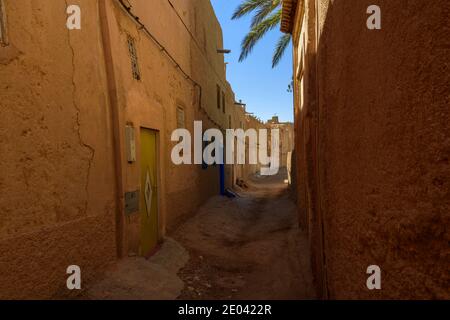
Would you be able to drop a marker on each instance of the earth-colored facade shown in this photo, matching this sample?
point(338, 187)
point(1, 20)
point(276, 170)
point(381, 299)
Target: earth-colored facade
point(70, 100)
point(372, 147)
point(286, 131)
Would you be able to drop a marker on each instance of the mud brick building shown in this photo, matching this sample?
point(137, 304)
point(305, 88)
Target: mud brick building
point(372, 144)
point(85, 132)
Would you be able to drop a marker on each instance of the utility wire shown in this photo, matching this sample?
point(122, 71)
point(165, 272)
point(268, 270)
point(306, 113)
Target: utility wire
point(142, 27)
point(195, 40)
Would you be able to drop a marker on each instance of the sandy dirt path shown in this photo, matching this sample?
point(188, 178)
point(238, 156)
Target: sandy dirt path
point(246, 248)
point(243, 248)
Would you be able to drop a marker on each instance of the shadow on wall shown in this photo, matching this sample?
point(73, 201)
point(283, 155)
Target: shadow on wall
point(383, 154)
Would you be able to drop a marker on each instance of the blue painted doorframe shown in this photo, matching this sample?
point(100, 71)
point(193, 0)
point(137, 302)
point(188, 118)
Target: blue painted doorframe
point(222, 179)
point(222, 172)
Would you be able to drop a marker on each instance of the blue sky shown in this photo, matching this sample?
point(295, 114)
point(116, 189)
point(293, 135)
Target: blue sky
point(262, 88)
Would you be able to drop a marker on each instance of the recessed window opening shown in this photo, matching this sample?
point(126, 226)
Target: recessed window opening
point(134, 59)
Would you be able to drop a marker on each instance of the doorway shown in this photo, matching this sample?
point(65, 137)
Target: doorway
point(149, 189)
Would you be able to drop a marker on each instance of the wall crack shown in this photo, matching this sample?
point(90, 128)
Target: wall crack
point(78, 111)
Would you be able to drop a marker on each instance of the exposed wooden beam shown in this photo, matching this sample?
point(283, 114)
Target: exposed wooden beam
point(289, 8)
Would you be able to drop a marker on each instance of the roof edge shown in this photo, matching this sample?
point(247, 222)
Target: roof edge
point(289, 8)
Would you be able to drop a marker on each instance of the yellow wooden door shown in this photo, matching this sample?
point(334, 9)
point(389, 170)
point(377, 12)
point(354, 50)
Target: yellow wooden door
point(149, 187)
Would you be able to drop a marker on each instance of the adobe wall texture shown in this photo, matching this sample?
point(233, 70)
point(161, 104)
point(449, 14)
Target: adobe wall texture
point(306, 178)
point(381, 173)
point(385, 148)
point(286, 134)
point(66, 98)
point(57, 181)
point(190, 33)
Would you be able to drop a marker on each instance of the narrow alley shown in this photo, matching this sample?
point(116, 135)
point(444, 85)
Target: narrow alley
point(224, 252)
point(234, 243)
point(224, 150)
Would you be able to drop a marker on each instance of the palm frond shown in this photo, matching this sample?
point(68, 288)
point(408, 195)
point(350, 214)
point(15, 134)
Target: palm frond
point(257, 32)
point(280, 49)
point(264, 10)
point(248, 6)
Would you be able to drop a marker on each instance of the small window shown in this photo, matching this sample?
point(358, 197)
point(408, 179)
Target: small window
point(229, 122)
point(218, 97)
point(134, 59)
point(180, 118)
point(3, 35)
point(223, 102)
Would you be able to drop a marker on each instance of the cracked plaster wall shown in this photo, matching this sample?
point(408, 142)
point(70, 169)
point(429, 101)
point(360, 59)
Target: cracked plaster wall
point(57, 178)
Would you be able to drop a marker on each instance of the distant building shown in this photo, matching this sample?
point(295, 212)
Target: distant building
point(286, 139)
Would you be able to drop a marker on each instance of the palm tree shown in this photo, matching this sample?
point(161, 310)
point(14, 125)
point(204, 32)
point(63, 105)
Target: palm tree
point(267, 16)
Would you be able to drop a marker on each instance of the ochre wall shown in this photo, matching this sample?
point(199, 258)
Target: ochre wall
point(383, 158)
point(152, 101)
point(66, 98)
point(286, 136)
point(387, 182)
point(57, 181)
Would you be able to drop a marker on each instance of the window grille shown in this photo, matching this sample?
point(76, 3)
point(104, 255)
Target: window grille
point(134, 59)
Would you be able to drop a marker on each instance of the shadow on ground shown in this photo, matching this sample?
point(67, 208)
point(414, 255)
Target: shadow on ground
point(249, 247)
